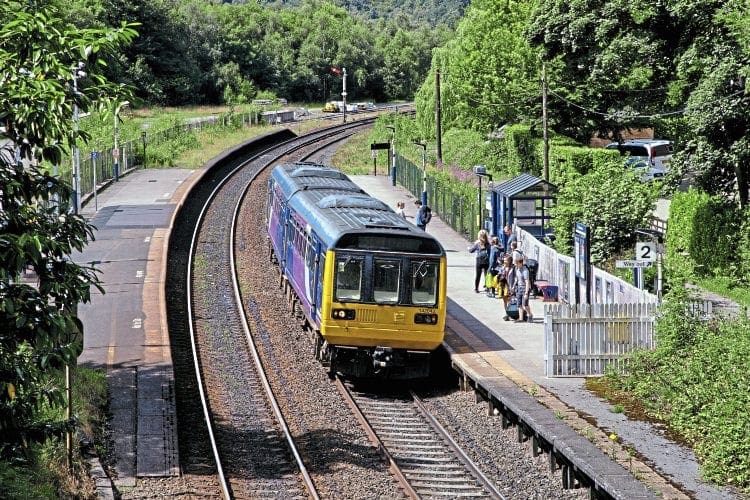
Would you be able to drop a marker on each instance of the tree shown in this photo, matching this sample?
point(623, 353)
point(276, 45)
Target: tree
point(610, 60)
point(490, 72)
point(711, 79)
point(39, 330)
point(611, 202)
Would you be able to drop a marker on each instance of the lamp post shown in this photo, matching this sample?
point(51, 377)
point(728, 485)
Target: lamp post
point(480, 171)
point(424, 171)
point(143, 138)
point(77, 73)
point(116, 150)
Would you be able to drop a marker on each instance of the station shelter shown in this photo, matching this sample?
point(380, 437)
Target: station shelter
point(525, 200)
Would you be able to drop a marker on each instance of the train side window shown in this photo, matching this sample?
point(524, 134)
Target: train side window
point(424, 280)
point(386, 278)
point(349, 278)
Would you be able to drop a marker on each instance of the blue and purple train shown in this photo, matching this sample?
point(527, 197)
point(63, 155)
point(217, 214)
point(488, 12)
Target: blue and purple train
point(371, 285)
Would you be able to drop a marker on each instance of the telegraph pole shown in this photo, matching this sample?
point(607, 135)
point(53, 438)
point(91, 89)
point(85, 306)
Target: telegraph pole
point(438, 132)
point(545, 157)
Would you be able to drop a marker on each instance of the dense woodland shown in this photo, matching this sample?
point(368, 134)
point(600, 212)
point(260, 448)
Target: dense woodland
point(197, 52)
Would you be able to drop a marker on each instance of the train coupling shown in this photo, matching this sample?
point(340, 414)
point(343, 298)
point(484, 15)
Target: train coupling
point(382, 357)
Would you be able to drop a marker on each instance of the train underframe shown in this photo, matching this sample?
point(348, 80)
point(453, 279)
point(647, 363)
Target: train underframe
point(372, 362)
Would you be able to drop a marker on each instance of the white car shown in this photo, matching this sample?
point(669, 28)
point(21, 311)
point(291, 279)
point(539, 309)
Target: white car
point(643, 168)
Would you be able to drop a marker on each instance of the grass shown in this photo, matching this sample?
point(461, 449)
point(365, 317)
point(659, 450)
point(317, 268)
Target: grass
point(354, 158)
point(726, 287)
point(214, 141)
point(43, 472)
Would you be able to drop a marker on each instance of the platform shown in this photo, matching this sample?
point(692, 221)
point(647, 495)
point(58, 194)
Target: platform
point(125, 330)
point(516, 351)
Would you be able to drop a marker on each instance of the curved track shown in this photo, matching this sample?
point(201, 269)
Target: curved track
point(253, 451)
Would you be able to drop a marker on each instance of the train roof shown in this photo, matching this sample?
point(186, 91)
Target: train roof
point(338, 209)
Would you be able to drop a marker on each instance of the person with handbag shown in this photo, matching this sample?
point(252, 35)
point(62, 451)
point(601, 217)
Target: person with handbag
point(504, 285)
point(481, 247)
point(496, 251)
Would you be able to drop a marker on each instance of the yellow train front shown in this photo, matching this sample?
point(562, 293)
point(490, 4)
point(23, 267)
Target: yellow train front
point(372, 286)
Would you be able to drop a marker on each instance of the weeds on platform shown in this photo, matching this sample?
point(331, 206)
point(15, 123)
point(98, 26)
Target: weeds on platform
point(695, 381)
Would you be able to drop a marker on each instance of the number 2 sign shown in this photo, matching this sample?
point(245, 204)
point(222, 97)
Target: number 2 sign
point(645, 251)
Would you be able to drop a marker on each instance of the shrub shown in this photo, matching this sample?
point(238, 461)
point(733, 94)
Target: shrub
point(695, 381)
point(611, 201)
point(703, 238)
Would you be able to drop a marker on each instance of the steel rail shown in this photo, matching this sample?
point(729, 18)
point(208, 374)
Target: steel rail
point(392, 465)
point(313, 137)
point(468, 463)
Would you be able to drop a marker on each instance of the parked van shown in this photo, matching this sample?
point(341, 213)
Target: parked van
point(657, 152)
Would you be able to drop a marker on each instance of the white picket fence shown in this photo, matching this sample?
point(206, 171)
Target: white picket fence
point(581, 340)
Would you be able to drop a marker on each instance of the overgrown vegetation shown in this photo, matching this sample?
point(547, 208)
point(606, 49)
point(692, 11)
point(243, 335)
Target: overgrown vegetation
point(42, 471)
point(696, 381)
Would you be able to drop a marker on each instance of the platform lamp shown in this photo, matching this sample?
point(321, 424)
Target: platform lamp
point(424, 170)
point(393, 153)
point(77, 71)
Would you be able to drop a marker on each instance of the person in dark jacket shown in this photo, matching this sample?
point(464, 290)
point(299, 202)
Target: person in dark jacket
point(496, 253)
point(482, 249)
point(424, 215)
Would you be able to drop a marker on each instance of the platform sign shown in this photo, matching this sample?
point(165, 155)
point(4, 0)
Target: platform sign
point(380, 145)
point(645, 251)
point(581, 251)
point(633, 264)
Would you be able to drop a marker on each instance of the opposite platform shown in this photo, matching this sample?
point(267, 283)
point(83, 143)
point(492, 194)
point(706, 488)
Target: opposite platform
point(125, 328)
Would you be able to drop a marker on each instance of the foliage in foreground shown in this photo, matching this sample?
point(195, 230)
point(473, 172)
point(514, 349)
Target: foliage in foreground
point(708, 237)
point(40, 332)
point(43, 471)
point(696, 381)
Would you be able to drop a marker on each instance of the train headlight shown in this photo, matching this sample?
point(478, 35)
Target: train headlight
point(426, 319)
point(343, 314)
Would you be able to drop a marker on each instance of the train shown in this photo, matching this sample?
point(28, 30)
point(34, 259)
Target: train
point(370, 286)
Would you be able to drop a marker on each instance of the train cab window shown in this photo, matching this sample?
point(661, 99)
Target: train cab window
point(386, 278)
point(424, 280)
point(349, 278)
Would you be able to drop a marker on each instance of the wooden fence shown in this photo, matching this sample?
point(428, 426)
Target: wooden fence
point(581, 340)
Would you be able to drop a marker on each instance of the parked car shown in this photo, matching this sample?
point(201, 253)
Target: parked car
point(657, 152)
point(644, 169)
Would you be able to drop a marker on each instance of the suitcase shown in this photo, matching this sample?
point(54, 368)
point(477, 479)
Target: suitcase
point(512, 309)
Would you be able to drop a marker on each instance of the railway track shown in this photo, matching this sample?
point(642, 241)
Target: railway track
point(252, 451)
point(420, 453)
point(250, 448)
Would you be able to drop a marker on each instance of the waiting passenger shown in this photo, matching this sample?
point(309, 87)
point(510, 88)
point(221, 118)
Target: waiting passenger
point(482, 248)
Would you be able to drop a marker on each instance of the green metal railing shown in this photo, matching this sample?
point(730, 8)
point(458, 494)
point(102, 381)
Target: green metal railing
point(456, 209)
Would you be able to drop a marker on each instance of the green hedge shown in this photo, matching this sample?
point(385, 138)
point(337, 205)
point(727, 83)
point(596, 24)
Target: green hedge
point(704, 237)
